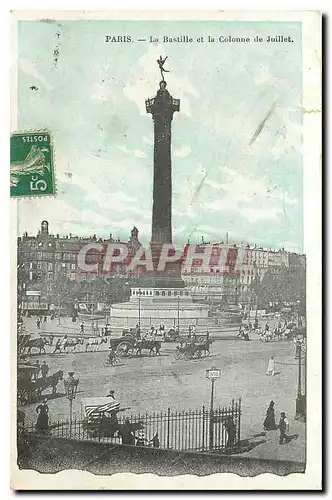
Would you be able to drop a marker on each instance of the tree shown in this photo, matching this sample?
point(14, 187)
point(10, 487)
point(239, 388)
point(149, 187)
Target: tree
point(280, 287)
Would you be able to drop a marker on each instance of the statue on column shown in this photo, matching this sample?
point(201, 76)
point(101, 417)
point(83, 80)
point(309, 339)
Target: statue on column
point(161, 63)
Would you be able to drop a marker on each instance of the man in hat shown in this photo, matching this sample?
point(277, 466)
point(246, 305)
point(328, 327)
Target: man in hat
point(283, 427)
point(44, 369)
point(111, 394)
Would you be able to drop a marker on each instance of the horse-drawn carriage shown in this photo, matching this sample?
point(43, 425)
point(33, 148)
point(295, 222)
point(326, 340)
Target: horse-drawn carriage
point(22, 342)
point(129, 345)
point(100, 418)
point(29, 387)
point(194, 349)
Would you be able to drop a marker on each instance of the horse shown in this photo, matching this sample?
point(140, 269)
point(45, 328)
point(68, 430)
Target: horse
point(72, 343)
point(36, 344)
point(51, 381)
point(153, 346)
point(20, 418)
point(203, 347)
point(94, 343)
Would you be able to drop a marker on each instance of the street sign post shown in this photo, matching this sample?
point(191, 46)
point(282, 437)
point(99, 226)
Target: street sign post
point(213, 374)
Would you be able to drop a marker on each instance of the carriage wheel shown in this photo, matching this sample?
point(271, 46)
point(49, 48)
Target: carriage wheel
point(124, 349)
point(177, 354)
point(202, 338)
point(107, 363)
point(188, 356)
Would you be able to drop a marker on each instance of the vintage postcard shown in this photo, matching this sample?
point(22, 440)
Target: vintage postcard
point(165, 184)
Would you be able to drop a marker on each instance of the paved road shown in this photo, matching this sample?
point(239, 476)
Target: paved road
point(147, 384)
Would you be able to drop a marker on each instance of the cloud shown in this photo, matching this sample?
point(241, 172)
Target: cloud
point(146, 82)
point(182, 152)
point(128, 223)
point(62, 216)
point(148, 140)
point(136, 152)
point(250, 196)
point(256, 214)
point(30, 69)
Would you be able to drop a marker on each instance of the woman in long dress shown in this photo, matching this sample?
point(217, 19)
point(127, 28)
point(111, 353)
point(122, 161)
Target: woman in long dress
point(42, 419)
point(269, 423)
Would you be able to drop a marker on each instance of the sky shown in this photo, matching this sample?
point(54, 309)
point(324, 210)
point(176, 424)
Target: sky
point(231, 174)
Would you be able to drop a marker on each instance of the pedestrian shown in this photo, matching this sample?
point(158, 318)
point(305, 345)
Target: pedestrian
point(44, 369)
point(155, 441)
point(141, 440)
point(111, 394)
point(38, 322)
point(240, 331)
point(57, 346)
point(270, 367)
point(283, 427)
point(38, 367)
point(42, 419)
point(231, 432)
point(126, 433)
point(82, 327)
point(269, 423)
point(45, 318)
point(267, 327)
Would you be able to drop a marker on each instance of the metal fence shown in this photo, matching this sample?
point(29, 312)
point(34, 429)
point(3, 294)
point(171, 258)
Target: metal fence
point(196, 430)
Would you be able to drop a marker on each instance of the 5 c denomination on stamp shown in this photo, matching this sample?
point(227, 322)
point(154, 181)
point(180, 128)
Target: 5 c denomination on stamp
point(31, 164)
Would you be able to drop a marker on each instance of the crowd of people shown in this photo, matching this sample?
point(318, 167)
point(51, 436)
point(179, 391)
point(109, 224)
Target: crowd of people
point(266, 333)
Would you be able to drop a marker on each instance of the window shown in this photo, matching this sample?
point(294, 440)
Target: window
point(181, 293)
point(73, 266)
point(163, 293)
point(186, 293)
point(50, 266)
point(134, 292)
point(157, 292)
point(40, 255)
point(50, 275)
point(169, 293)
point(39, 266)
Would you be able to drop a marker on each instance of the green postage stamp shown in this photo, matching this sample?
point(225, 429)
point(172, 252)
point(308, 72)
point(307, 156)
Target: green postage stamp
point(31, 164)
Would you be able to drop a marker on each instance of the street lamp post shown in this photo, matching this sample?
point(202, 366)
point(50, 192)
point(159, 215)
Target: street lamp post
point(139, 308)
point(178, 313)
point(300, 412)
point(212, 374)
point(71, 385)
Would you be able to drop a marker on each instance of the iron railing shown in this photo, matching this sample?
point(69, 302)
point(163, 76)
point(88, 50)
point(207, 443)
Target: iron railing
point(176, 430)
